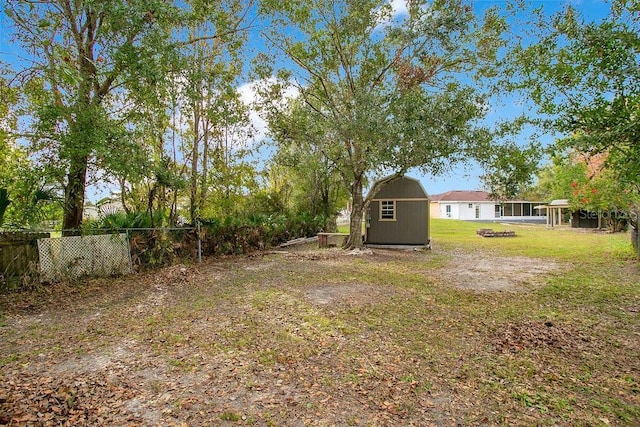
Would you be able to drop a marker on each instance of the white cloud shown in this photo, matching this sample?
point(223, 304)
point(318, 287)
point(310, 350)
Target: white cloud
point(398, 9)
point(249, 96)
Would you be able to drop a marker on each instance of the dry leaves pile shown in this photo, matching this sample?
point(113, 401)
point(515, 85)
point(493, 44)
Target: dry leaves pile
point(533, 336)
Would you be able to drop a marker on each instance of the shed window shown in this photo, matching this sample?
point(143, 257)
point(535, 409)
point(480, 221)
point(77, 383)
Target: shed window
point(387, 210)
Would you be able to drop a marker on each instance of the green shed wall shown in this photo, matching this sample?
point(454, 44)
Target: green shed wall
point(411, 226)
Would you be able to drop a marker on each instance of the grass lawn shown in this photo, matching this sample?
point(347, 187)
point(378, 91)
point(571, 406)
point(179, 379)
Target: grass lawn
point(539, 329)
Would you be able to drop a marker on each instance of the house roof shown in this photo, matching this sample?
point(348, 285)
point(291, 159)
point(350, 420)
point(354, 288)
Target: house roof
point(462, 196)
point(471, 196)
point(564, 203)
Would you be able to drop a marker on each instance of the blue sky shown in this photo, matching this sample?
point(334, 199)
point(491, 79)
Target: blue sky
point(467, 177)
point(462, 177)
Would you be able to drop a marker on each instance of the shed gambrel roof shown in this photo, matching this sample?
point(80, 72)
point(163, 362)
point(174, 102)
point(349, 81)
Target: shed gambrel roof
point(402, 188)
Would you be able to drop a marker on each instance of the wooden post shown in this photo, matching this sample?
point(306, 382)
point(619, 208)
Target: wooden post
point(323, 240)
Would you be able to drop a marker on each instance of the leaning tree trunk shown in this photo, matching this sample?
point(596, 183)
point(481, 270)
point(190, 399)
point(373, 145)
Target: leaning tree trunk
point(74, 196)
point(355, 231)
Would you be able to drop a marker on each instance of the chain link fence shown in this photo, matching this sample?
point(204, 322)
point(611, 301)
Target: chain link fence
point(119, 251)
point(68, 258)
point(94, 253)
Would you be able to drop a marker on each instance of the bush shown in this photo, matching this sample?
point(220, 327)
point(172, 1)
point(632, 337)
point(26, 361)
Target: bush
point(220, 236)
point(150, 246)
point(255, 232)
point(120, 221)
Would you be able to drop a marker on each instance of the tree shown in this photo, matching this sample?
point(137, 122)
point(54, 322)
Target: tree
point(588, 185)
point(209, 95)
point(316, 182)
point(584, 77)
point(24, 197)
point(100, 72)
point(387, 96)
point(510, 169)
point(86, 52)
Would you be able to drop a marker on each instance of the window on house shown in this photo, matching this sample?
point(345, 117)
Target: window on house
point(497, 211)
point(507, 209)
point(477, 211)
point(470, 205)
point(517, 209)
point(387, 210)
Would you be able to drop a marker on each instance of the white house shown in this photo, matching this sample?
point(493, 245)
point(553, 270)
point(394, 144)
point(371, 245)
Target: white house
point(477, 205)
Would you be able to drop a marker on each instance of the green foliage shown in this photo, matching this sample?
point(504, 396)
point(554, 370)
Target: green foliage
point(233, 235)
point(230, 186)
point(106, 85)
point(588, 184)
point(510, 170)
point(33, 199)
point(313, 182)
point(121, 220)
point(229, 235)
point(378, 97)
point(8, 98)
point(27, 197)
point(585, 77)
point(83, 51)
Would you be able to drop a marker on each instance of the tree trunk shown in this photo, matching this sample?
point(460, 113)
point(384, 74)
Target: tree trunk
point(4, 202)
point(193, 207)
point(205, 168)
point(74, 196)
point(355, 231)
point(635, 232)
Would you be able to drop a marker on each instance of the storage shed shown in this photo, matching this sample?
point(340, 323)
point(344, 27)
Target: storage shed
point(398, 214)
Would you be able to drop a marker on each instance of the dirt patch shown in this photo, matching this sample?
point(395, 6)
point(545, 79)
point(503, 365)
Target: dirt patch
point(482, 271)
point(352, 294)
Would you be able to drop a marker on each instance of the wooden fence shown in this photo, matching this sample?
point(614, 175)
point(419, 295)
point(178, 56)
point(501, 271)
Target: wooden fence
point(18, 253)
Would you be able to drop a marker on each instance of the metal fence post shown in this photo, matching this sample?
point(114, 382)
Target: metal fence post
point(129, 246)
